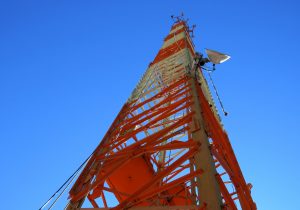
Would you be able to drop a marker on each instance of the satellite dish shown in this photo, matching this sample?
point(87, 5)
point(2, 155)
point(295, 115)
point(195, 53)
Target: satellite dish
point(216, 57)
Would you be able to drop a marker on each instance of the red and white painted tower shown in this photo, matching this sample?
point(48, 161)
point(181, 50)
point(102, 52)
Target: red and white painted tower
point(167, 148)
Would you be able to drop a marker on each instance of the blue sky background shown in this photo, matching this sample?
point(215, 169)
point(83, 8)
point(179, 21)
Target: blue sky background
point(67, 67)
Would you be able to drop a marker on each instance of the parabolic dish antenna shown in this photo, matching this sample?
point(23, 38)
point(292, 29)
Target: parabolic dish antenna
point(216, 57)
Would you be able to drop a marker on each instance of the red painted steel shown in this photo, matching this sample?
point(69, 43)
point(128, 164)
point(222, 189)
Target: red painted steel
point(147, 156)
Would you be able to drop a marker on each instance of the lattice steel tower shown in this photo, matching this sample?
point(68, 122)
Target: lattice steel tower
point(167, 148)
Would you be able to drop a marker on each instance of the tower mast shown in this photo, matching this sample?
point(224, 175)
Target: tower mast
point(167, 148)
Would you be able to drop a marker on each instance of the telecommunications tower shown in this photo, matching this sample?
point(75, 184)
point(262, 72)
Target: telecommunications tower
point(167, 148)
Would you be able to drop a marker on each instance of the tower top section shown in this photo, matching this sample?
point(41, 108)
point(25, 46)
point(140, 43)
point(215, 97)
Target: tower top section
point(171, 62)
point(177, 40)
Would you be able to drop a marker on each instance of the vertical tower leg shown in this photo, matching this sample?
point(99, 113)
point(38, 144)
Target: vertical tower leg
point(74, 206)
point(208, 189)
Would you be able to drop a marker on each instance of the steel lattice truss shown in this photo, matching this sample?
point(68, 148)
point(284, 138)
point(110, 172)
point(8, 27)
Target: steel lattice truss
point(153, 155)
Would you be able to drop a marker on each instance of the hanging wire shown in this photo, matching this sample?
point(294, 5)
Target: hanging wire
point(62, 192)
point(66, 183)
point(219, 99)
point(208, 69)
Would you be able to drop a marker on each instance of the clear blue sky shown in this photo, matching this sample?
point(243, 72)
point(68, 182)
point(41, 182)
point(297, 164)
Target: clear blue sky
point(67, 67)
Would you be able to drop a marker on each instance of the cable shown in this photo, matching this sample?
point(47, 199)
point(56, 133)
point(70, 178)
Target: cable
point(63, 191)
point(68, 182)
point(219, 99)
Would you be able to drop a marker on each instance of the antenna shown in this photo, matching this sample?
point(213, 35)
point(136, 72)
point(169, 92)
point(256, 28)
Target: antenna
point(179, 18)
point(191, 30)
point(216, 57)
point(213, 57)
